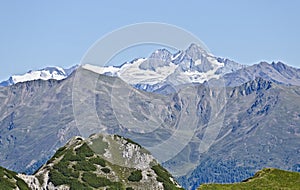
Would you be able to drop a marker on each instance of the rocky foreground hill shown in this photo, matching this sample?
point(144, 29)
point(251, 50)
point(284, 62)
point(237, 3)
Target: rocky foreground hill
point(99, 162)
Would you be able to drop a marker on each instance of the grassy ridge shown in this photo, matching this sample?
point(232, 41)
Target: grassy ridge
point(269, 178)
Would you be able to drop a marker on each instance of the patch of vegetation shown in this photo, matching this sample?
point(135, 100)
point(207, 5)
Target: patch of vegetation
point(84, 166)
point(97, 160)
point(164, 176)
point(70, 156)
point(59, 179)
point(129, 188)
point(76, 185)
point(22, 185)
point(9, 180)
point(75, 174)
point(6, 173)
point(116, 186)
point(95, 181)
point(264, 179)
point(135, 176)
point(40, 178)
point(105, 170)
point(84, 151)
point(6, 184)
point(63, 168)
point(57, 154)
point(80, 154)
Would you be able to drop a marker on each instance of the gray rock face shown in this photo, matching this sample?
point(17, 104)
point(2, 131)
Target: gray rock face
point(186, 59)
point(193, 52)
point(229, 66)
point(260, 129)
point(35, 120)
point(277, 72)
point(159, 58)
point(200, 133)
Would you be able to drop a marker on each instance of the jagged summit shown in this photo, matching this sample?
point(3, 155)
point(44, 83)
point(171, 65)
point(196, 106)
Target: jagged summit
point(162, 54)
point(195, 50)
point(159, 58)
point(276, 72)
point(161, 68)
point(164, 70)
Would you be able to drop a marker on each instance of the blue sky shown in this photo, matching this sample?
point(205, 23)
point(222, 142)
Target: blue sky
point(36, 34)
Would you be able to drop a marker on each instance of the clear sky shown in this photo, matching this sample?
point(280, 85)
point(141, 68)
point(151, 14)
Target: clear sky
point(36, 34)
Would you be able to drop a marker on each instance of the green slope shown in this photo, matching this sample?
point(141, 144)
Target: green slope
point(264, 179)
point(9, 180)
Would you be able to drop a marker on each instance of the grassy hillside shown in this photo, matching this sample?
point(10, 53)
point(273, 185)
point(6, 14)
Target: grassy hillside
point(264, 179)
point(9, 180)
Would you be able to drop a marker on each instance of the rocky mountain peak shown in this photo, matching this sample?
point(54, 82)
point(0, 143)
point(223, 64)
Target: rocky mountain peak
point(161, 54)
point(195, 51)
point(255, 85)
point(101, 161)
point(159, 58)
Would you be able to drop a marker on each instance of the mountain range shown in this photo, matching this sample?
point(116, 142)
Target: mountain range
point(163, 71)
point(206, 119)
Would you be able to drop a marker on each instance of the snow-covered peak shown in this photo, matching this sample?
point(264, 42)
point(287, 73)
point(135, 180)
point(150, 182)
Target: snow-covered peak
point(56, 73)
point(133, 74)
point(108, 70)
point(193, 65)
point(195, 50)
point(162, 54)
point(159, 58)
